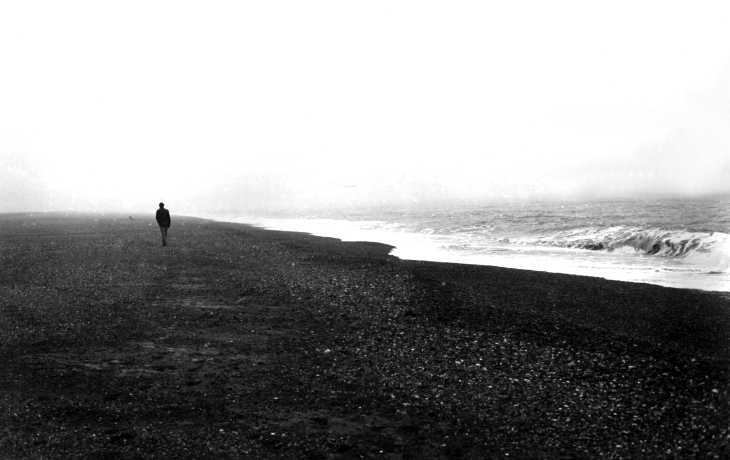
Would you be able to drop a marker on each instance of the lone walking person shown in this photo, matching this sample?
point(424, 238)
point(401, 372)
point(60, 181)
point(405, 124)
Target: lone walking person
point(163, 220)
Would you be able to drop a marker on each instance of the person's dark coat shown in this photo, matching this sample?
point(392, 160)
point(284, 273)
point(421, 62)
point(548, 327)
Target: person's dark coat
point(163, 217)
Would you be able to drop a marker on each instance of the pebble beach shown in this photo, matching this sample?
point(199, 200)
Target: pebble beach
point(239, 342)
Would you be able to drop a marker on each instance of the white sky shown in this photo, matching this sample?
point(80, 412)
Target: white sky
point(213, 105)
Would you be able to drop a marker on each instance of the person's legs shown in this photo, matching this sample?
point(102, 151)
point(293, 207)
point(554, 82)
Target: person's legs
point(163, 231)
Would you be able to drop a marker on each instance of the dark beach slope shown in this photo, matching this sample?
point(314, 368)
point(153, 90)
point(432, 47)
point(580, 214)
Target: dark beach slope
point(238, 342)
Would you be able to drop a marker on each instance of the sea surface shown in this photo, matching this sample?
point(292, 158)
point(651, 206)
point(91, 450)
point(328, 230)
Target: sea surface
point(670, 242)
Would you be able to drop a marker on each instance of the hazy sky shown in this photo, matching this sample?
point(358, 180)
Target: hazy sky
point(225, 105)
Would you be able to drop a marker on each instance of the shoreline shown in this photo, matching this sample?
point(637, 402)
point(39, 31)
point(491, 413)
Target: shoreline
point(236, 341)
point(410, 246)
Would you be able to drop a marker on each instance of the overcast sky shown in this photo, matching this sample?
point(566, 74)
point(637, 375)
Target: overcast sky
point(226, 105)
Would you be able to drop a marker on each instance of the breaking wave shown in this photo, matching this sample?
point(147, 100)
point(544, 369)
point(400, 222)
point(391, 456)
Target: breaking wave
point(650, 241)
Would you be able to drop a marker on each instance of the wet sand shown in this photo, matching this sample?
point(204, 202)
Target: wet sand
point(236, 342)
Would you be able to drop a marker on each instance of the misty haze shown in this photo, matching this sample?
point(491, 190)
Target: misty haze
point(341, 230)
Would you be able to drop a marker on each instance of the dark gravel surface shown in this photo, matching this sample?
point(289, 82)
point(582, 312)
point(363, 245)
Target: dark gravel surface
point(235, 342)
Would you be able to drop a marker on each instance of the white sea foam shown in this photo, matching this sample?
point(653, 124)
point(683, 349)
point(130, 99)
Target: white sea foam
point(581, 240)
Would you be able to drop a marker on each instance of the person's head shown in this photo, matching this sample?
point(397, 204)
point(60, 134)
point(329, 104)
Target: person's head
point(162, 205)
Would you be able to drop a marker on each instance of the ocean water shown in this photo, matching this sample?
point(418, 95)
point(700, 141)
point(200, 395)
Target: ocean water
point(670, 242)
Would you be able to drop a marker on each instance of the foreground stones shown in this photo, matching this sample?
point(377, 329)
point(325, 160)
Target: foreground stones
point(236, 342)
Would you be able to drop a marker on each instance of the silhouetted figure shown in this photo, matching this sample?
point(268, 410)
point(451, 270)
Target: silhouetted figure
point(163, 220)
